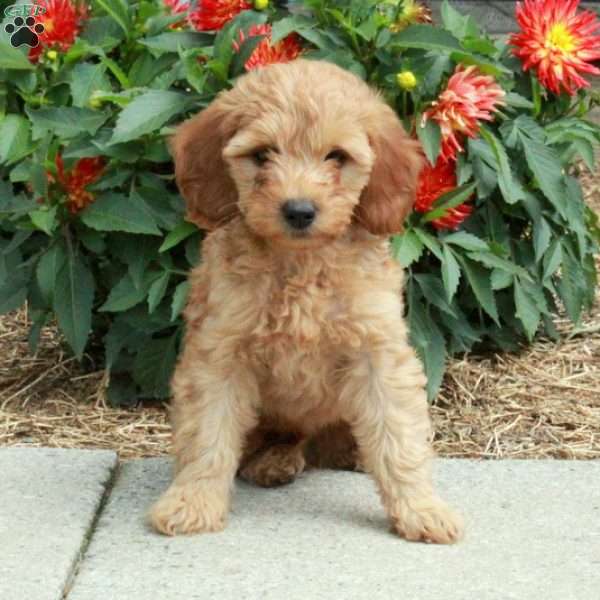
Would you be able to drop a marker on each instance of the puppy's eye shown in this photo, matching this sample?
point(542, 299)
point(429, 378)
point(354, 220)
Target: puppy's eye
point(338, 156)
point(261, 156)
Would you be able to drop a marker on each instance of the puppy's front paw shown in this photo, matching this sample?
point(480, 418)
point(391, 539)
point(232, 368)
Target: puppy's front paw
point(427, 519)
point(191, 508)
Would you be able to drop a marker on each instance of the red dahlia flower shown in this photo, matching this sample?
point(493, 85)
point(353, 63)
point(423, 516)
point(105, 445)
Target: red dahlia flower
point(285, 50)
point(434, 182)
point(210, 15)
point(469, 98)
point(85, 172)
point(557, 42)
point(62, 22)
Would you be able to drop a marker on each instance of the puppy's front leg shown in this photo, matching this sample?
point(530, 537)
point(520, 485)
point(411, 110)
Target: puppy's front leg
point(213, 409)
point(384, 392)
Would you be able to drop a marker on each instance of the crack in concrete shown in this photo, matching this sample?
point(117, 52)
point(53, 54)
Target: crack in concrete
point(109, 484)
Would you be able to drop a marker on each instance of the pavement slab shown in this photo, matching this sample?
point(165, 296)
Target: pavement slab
point(533, 532)
point(48, 501)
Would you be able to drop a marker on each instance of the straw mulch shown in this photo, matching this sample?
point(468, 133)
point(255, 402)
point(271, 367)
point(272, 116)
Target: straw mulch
point(543, 402)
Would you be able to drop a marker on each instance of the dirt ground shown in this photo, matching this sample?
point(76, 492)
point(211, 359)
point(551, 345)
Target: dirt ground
point(543, 402)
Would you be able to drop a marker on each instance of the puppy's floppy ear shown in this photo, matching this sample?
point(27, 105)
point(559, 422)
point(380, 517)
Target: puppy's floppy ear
point(390, 193)
point(201, 173)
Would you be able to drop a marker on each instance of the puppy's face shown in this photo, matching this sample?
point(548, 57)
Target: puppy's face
point(299, 174)
point(301, 151)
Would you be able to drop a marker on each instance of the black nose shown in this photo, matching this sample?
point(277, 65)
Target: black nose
point(299, 214)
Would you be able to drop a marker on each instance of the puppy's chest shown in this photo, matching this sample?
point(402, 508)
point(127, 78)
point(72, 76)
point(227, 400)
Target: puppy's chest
point(302, 319)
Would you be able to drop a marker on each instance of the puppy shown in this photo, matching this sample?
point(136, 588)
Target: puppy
point(296, 343)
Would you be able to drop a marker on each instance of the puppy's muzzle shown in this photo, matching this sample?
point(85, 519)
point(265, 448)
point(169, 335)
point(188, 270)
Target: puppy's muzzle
point(299, 214)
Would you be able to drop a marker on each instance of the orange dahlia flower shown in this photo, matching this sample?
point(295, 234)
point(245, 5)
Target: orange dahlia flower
point(265, 53)
point(62, 21)
point(210, 15)
point(469, 98)
point(435, 181)
point(558, 43)
point(85, 172)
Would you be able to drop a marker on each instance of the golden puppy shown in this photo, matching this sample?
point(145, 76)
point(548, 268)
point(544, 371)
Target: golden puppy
point(294, 320)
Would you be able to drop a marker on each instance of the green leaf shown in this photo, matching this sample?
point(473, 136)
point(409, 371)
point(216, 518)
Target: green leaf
point(428, 342)
point(515, 100)
point(430, 137)
point(468, 241)
point(542, 234)
point(182, 231)
point(124, 295)
point(510, 189)
point(430, 242)
point(179, 299)
point(154, 366)
point(243, 52)
point(15, 139)
point(545, 165)
point(171, 41)
point(115, 212)
point(147, 113)
point(450, 273)
point(456, 23)
point(160, 206)
point(121, 335)
point(501, 279)
point(570, 285)
point(13, 293)
point(12, 58)
point(496, 262)
point(65, 121)
point(73, 300)
point(39, 318)
point(434, 291)
point(98, 32)
point(406, 247)
point(425, 37)
point(223, 49)
point(44, 219)
point(283, 27)
point(118, 11)
point(485, 65)
point(49, 265)
point(39, 180)
point(527, 311)
point(585, 149)
point(449, 200)
point(136, 252)
point(342, 58)
point(552, 259)
point(479, 280)
point(85, 79)
point(157, 291)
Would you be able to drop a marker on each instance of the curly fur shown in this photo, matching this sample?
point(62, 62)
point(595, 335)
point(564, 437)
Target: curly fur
point(296, 348)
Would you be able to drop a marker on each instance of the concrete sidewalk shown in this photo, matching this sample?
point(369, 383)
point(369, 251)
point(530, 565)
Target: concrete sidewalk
point(533, 532)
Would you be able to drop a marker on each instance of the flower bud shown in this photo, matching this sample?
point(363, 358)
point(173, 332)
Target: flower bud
point(52, 54)
point(261, 4)
point(406, 80)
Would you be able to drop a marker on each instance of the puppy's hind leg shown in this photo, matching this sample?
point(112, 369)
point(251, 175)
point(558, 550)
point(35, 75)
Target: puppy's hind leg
point(275, 465)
